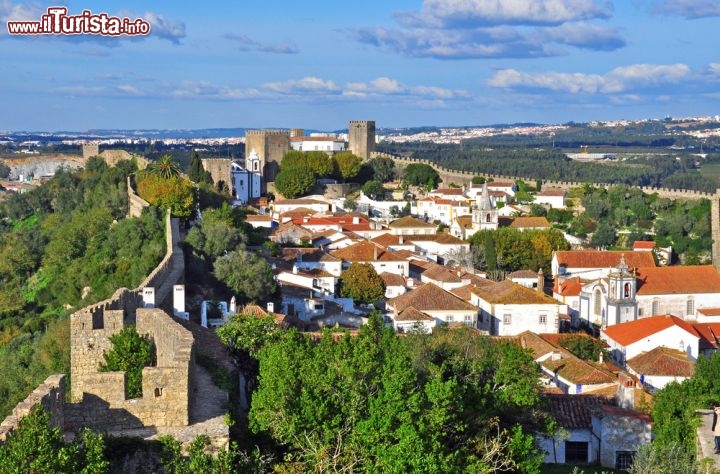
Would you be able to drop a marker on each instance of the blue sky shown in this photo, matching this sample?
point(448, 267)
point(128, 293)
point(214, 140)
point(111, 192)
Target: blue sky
point(318, 64)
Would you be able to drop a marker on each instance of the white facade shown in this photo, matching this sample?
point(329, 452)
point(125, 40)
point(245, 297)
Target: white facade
point(673, 337)
point(513, 319)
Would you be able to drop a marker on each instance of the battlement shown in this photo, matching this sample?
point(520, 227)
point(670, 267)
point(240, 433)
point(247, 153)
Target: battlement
point(267, 132)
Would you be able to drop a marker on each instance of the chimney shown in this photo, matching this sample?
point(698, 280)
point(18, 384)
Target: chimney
point(541, 282)
point(270, 307)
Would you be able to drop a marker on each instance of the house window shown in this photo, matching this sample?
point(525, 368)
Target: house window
point(655, 307)
point(506, 319)
point(576, 451)
point(542, 319)
point(624, 459)
point(690, 307)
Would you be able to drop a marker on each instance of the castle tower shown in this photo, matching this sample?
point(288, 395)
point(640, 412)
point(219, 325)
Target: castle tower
point(90, 149)
point(361, 137)
point(270, 146)
point(621, 303)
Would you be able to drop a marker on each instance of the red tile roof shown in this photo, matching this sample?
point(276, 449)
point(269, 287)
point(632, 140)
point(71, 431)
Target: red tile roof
point(552, 192)
point(643, 244)
point(603, 258)
point(530, 222)
point(430, 298)
point(664, 362)
point(409, 222)
point(509, 292)
point(633, 331)
point(568, 287)
point(678, 280)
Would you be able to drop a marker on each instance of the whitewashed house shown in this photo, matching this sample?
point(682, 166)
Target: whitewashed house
point(508, 309)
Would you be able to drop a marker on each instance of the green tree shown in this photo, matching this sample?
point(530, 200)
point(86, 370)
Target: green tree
point(174, 193)
point(248, 275)
point(383, 169)
point(348, 165)
point(374, 190)
point(37, 447)
point(130, 353)
point(195, 168)
point(362, 283)
point(4, 171)
point(420, 174)
point(165, 168)
point(294, 182)
point(249, 333)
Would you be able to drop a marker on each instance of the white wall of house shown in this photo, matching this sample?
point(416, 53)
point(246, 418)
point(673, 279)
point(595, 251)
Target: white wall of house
point(513, 319)
point(676, 304)
point(673, 337)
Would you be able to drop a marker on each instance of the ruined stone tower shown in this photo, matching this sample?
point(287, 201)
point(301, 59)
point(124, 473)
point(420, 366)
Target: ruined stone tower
point(90, 149)
point(271, 146)
point(361, 135)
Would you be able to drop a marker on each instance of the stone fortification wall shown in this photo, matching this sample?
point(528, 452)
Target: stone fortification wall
point(136, 204)
point(99, 397)
point(50, 394)
point(465, 177)
point(219, 169)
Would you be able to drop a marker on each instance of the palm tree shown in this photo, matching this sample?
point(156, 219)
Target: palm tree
point(165, 167)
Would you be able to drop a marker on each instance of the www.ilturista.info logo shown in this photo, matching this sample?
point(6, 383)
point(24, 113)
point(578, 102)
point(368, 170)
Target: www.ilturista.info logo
point(58, 22)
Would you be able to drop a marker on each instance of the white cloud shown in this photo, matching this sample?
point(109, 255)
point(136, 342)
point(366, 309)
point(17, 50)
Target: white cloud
point(518, 12)
point(164, 28)
point(690, 9)
point(616, 81)
point(304, 85)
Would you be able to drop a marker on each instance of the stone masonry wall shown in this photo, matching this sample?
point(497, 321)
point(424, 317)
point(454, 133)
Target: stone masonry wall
point(50, 394)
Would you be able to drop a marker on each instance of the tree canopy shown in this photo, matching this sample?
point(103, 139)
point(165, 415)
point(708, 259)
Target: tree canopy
point(378, 402)
point(362, 283)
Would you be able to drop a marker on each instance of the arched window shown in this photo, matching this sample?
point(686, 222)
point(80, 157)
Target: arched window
point(597, 310)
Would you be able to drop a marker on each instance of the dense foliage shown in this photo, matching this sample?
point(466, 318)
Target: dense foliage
point(130, 353)
point(448, 402)
point(362, 283)
point(63, 245)
point(509, 249)
point(664, 168)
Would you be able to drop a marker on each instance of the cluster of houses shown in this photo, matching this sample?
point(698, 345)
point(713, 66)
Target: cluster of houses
point(655, 320)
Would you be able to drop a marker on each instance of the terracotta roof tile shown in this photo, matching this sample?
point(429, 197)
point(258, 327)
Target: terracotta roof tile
point(574, 412)
point(643, 244)
point(603, 258)
point(430, 298)
point(664, 362)
point(530, 222)
point(409, 222)
point(392, 279)
point(509, 292)
point(552, 192)
point(412, 314)
point(633, 331)
point(678, 280)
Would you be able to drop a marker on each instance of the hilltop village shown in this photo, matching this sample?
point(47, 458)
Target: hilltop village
point(605, 329)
